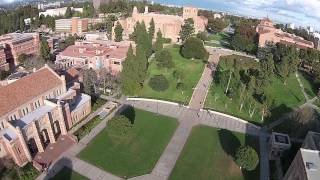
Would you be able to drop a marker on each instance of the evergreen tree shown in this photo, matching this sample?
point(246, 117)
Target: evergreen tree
point(142, 63)
point(151, 29)
point(118, 30)
point(69, 13)
point(194, 48)
point(164, 59)
point(158, 45)
point(187, 29)
point(45, 50)
point(246, 157)
point(109, 24)
point(129, 78)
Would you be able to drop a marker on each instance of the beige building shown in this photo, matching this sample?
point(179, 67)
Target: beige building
point(35, 111)
point(268, 33)
point(72, 26)
point(3, 60)
point(169, 25)
point(306, 164)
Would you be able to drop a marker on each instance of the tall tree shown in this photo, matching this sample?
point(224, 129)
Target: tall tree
point(109, 24)
point(187, 29)
point(68, 13)
point(129, 78)
point(158, 45)
point(89, 82)
point(194, 48)
point(45, 50)
point(118, 30)
point(151, 29)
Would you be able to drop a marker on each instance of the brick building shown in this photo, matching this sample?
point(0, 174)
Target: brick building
point(268, 33)
point(93, 55)
point(16, 44)
point(169, 25)
point(35, 111)
point(3, 61)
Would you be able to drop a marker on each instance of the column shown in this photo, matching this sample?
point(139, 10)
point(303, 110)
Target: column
point(37, 138)
point(61, 121)
point(24, 144)
point(49, 129)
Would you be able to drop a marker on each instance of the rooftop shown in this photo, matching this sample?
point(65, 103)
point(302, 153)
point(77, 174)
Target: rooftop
point(27, 88)
point(311, 160)
point(17, 37)
point(8, 133)
point(80, 100)
point(34, 115)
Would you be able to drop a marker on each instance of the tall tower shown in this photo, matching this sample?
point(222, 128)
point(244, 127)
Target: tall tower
point(97, 3)
point(189, 12)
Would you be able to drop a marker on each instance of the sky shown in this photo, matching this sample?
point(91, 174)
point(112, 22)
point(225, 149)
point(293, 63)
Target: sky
point(299, 12)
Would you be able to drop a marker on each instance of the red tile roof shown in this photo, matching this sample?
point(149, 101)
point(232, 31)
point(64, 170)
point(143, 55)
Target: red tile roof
point(25, 89)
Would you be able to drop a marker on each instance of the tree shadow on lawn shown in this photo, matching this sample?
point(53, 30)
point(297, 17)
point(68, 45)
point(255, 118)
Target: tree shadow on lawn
point(129, 112)
point(276, 113)
point(55, 172)
point(229, 142)
point(252, 141)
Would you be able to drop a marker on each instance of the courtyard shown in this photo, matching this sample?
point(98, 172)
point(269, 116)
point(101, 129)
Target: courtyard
point(135, 153)
point(191, 72)
point(208, 154)
point(282, 98)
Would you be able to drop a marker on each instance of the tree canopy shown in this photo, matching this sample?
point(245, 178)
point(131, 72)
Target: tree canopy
point(187, 29)
point(118, 30)
point(194, 48)
point(247, 158)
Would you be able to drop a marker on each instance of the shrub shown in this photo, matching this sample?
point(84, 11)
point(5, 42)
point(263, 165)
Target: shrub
point(119, 125)
point(181, 86)
point(167, 40)
point(247, 158)
point(85, 129)
point(159, 83)
point(194, 48)
point(164, 59)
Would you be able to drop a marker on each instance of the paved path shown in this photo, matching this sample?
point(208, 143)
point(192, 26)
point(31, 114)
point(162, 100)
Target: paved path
point(70, 160)
point(188, 117)
point(302, 87)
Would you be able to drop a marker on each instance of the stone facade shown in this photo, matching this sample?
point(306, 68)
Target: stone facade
point(33, 113)
point(93, 55)
point(3, 60)
point(169, 25)
point(268, 33)
point(16, 44)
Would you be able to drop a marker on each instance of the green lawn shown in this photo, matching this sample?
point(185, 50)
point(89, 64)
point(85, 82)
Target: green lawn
point(285, 99)
point(68, 174)
point(134, 154)
point(208, 154)
point(192, 70)
point(218, 40)
point(308, 85)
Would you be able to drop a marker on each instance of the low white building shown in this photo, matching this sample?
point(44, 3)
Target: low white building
point(59, 11)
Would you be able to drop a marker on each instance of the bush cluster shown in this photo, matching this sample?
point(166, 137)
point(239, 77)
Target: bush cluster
point(159, 83)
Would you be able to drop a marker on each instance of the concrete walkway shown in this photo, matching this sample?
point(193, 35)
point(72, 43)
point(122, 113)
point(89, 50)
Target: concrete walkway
point(70, 160)
point(302, 87)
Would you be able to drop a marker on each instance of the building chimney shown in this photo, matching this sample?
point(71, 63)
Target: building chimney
point(146, 9)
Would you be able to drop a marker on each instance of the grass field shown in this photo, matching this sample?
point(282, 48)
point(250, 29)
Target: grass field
point(133, 154)
point(68, 174)
point(218, 40)
point(308, 85)
point(208, 154)
point(192, 70)
point(285, 99)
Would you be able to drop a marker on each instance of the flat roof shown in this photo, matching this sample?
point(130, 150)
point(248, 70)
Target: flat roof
point(80, 100)
point(9, 134)
point(34, 115)
point(311, 161)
